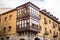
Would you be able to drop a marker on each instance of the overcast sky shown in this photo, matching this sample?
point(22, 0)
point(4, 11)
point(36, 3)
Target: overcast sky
point(51, 5)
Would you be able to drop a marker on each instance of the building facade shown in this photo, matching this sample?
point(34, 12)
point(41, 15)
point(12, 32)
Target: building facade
point(28, 22)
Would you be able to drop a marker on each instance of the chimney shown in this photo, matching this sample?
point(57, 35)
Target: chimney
point(48, 13)
point(51, 15)
point(44, 10)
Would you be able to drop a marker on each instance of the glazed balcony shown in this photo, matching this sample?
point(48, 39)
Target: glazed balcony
point(28, 13)
point(28, 28)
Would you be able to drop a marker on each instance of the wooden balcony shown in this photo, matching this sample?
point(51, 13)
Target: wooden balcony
point(28, 29)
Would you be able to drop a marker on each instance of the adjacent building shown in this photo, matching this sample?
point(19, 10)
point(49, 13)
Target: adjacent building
point(28, 22)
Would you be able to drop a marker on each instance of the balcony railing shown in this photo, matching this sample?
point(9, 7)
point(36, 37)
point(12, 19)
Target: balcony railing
point(28, 28)
point(46, 33)
point(55, 35)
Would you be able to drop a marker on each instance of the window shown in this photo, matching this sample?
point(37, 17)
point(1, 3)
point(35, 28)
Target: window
point(23, 10)
point(5, 18)
point(25, 23)
point(18, 12)
point(53, 32)
point(18, 26)
point(10, 17)
point(4, 29)
point(49, 22)
point(58, 27)
point(50, 31)
point(9, 28)
point(22, 23)
point(0, 20)
point(53, 25)
point(46, 32)
point(40, 17)
point(40, 28)
point(7, 38)
point(2, 38)
point(33, 24)
point(46, 29)
point(57, 33)
point(45, 21)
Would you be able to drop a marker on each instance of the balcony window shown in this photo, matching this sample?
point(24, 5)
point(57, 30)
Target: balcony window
point(34, 12)
point(23, 10)
point(32, 20)
point(18, 12)
point(25, 23)
point(33, 25)
point(28, 24)
point(20, 25)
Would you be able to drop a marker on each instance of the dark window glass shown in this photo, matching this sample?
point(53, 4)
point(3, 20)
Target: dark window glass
point(49, 22)
point(45, 21)
point(4, 29)
point(10, 17)
point(2, 38)
point(50, 31)
point(58, 27)
point(53, 25)
point(7, 38)
point(9, 28)
point(5, 18)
